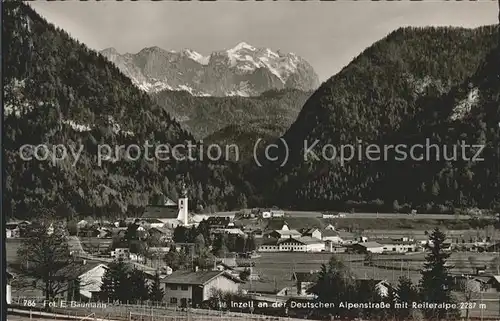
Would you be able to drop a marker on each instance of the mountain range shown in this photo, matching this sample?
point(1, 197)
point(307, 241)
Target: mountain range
point(440, 84)
point(240, 71)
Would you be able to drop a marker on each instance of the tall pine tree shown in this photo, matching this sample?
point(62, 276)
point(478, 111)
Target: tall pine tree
point(138, 288)
point(156, 292)
point(435, 285)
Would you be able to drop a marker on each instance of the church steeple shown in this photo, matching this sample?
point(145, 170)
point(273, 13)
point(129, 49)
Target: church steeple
point(183, 215)
point(184, 190)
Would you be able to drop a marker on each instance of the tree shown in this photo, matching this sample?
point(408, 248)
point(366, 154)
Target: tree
point(406, 293)
point(46, 261)
point(335, 275)
point(199, 242)
point(369, 259)
point(245, 274)
point(251, 244)
point(181, 234)
point(435, 284)
point(156, 292)
point(138, 288)
point(116, 283)
point(220, 248)
point(242, 201)
point(469, 289)
point(74, 290)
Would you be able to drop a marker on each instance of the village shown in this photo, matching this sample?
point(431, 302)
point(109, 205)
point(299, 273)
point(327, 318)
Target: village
point(263, 254)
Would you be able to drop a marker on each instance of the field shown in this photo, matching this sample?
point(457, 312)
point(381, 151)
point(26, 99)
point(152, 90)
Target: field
point(277, 269)
point(370, 215)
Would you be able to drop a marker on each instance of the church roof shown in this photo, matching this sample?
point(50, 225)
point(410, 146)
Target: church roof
point(160, 211)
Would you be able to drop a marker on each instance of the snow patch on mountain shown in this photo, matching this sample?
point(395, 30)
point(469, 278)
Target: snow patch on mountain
point(203, 60)
point(154, 69)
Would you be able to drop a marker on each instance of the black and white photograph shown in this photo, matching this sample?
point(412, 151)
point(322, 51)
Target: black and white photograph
point(251, 160)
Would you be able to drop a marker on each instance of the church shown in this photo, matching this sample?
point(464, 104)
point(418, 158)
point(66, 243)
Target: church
point(172, 214)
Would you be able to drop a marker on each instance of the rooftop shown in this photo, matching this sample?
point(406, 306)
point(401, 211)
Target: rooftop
point(370, 244)
point(195, 278)
point(305, 276)
point(160, 211)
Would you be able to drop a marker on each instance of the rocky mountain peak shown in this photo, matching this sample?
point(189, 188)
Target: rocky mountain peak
point(243, 70)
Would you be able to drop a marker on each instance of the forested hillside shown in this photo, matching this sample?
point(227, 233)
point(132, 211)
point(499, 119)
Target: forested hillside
point(57, 91)
point(408, 87)
point(439, 84)
point(204, 116)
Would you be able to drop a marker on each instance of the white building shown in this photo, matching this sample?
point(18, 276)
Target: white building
point(8, 288)
point(299, 244)
point(187, 288)
point(381, 286)
point(332, 236)
point(277, 213)
point(403, 245)
point(266, 214)
point(312, 232)
point(91, 279)
point(369, 247)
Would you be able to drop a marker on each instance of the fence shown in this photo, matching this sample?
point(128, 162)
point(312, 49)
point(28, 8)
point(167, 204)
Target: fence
point(191, 317)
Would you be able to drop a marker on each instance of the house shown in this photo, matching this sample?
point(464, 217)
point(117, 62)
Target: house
point(153, 222)
point(494, 283)
point(277, 213)
point(14, 228)
point(475, 284)
point(329, 215)
point(301, 244)
point(345, 237)
point(269, 245)
point(8, 288)
point(334, 247)
point(368, 247)
point(231, 231)
point(304, 281)
point(312, 232)
point(332, 236)
point(162, 233)
point(218, 222)
point(191, 288)
point(105, 233)
point(90, 277)
point(121, 254)
point(283, 232)
point(330, 227)
point(198, 218)
point(381, 286)
point(82, 224)
point(266, 214)
point(298, 244)
point(12, 231)
point(403, 245)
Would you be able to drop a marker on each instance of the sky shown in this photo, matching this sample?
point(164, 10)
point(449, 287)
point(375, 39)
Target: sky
point(327, 34)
